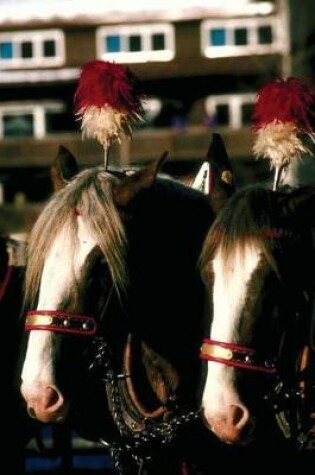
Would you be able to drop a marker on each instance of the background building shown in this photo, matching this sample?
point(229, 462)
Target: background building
point(200, 63)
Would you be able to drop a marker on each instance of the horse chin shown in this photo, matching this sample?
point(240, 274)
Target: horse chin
point(239, 440)
point(45, 416)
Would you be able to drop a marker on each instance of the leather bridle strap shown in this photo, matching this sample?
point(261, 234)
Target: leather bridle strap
point(230, 354)
point(6, 281)
point(60, 322)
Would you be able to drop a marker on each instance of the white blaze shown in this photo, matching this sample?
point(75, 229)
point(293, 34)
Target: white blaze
point(229, 293)
point(58, 276)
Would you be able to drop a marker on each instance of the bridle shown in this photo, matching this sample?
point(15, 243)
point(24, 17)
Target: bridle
point(236, 356)
point(60, 322)
point(292, 393)
point(141, 432)
point(292, 399)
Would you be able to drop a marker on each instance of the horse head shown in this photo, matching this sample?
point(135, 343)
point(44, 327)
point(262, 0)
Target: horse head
point(258, 266)
point(114, 300)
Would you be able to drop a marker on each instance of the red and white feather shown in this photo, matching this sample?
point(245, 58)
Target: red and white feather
point(108, 101)
point(284, 112)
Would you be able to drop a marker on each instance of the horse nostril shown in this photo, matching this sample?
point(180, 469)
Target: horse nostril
point(31, 412)
point(237, 414)
point(52, 396)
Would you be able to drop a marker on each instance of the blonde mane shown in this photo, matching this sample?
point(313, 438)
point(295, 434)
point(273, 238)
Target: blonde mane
point(241, 223)
point(90, 192)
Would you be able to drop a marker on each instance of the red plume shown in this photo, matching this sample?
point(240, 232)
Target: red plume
point(108, 101)
point(284, 110)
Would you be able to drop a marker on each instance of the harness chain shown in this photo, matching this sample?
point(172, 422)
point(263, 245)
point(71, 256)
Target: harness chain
point(136, 445)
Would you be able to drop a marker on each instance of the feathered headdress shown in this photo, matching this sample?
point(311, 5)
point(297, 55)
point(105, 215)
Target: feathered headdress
point(108, 102)
point(284, 111)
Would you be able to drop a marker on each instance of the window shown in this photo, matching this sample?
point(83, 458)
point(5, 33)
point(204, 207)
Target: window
point(18, 125)
point(230, 110)
point(229, 37)
point(28, 119)
point(158, 42)
point(112, 44)
point(27, 49)
point(49, 49)
point(217, 37)
point(136, 43)
point(222, 114)
point(247, 113)
point(240, 36)
point(265, 35)
point(6, 50)
point(32, 49)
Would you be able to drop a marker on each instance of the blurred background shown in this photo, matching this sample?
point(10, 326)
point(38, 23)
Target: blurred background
point(200, 62)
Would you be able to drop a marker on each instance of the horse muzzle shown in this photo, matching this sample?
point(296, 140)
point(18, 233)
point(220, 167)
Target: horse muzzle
point(45, 403)
point(235, 427)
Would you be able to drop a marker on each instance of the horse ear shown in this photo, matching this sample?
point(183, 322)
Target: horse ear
point(130, 185)
point(216, 177)
point(301, 201)
point(63, 168)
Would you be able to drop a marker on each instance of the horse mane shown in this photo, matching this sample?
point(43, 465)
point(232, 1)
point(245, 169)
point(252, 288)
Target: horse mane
point(90, 194)
point(242, 222)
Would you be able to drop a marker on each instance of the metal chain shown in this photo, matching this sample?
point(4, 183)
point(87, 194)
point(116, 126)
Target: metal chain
point(138, 446)
point(291, 412)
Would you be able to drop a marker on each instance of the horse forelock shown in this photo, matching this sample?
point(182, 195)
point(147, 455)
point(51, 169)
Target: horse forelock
point(239, 226)
point(91, 194)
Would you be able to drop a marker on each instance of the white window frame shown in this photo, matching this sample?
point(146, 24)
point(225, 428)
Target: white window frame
point(234, 103)
point(37, 109)
point(278, 45)
point(37, 38)
point(145, 31)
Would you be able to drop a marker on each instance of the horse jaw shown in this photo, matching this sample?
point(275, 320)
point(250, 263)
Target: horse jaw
point(223, 411)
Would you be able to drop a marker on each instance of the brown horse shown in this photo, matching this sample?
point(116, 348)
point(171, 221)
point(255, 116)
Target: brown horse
point(115, 311)
point(258, 268)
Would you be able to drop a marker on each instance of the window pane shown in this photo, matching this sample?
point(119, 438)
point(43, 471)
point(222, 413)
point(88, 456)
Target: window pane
point(60, 122)
point(6, 50)
point(27, 49)
point(49, 48)
point(240, 36)
point(158, 41)
point(222, 114)
point(134, 43)
point(112, 44)
point(265, 35)
point(217, 37)
point(246, 112)
point(18, 125)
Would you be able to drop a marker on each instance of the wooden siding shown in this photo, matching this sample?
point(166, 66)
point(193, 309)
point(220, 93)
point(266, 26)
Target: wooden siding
point(187, 144)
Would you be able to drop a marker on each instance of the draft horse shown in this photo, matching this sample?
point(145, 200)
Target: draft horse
point(114, 306)
point(257, 265)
